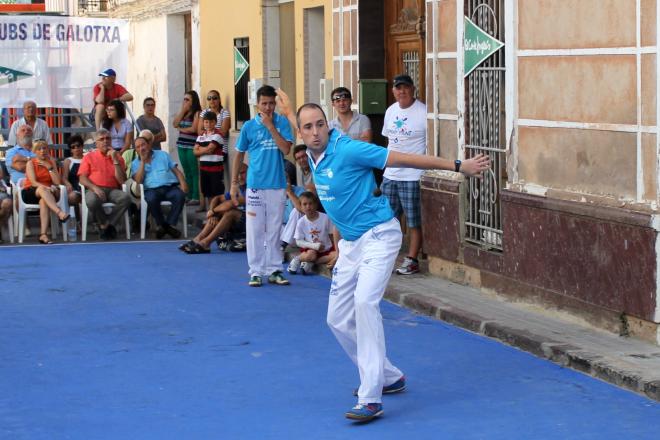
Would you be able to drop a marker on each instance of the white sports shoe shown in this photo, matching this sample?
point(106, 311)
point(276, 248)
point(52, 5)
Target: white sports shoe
point(306, 267)
point(294, 265)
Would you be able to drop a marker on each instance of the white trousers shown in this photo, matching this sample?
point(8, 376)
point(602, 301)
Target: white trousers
point(264, 210)
point(359, 279)
point(289, 230)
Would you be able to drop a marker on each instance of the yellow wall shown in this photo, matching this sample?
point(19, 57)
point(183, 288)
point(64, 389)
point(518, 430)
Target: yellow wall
point(220, 23)
point(300, 6)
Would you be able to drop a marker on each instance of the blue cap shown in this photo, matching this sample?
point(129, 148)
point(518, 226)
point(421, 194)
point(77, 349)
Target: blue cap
point(108, 72)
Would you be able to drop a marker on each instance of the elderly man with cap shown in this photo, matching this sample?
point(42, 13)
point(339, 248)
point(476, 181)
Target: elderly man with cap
point(405, 128)
point(105, 91)
point(40, 129)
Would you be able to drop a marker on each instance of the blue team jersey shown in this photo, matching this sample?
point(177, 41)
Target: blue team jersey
point(266, 170)
point(345, 185)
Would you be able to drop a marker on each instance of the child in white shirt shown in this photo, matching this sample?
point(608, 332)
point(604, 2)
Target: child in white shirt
point(312, 236)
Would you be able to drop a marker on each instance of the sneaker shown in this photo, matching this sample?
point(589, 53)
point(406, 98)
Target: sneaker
point(277, 278)
point(408, 267)
point(396, 387)
point(238, 245)
point(365, 413)
point(294, 265)
point(306, 268)
point(255, 281)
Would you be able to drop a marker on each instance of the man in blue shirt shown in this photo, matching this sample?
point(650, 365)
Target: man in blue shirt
point(163, 181)
point(267, 138)
point(17, 157)
point(371, 238)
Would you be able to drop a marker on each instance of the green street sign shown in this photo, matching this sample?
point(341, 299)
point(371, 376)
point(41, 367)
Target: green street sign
point(240, 66)
point(478, 46)
point(8, 75)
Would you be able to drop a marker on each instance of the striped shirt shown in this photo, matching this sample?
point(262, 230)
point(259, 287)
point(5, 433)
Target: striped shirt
point(186, 140)
point(213, 161)
point(221, 116)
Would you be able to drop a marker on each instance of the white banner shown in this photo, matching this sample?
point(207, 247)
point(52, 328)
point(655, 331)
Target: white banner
point(55, 61)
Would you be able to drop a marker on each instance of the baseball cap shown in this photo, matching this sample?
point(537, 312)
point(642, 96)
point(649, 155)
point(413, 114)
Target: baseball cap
point(403, 79)
point(108, 72)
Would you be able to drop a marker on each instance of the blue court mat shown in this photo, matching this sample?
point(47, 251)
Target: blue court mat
point(140, 341)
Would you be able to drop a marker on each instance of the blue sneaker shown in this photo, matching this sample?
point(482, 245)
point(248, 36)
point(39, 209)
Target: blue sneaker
point(396, 387)
point(365, 413)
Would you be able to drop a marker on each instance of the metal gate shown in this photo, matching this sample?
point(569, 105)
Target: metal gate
point(485, 129)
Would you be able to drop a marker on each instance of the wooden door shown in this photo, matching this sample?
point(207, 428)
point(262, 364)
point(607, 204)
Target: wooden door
point(405, 52)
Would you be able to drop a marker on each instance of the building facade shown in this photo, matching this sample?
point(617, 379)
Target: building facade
point(568, 112)
point(163, 54)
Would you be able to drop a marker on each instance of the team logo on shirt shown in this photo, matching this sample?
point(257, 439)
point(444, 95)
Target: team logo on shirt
point(326, 172)
point(399, 128)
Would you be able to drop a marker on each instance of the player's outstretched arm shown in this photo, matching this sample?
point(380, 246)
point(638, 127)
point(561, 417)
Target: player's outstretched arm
point(469, 167)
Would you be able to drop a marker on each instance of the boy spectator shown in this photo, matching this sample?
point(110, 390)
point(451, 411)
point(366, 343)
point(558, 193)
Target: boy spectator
point(208, 148)
point(313, 236)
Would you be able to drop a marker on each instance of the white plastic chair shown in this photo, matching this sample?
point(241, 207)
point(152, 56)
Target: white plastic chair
point(11, 219)
point(24, 208)
point(143, 214)
point(85, 213)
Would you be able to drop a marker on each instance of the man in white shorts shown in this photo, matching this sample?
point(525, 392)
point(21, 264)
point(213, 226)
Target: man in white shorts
point(371, 238)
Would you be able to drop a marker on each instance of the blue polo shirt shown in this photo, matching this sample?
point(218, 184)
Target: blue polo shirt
point(345, 185)
point(266, 170)
point(158, 172)
point(15, 175)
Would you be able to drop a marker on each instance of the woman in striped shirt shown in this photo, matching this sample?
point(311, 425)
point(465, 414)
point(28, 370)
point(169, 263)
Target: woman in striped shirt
point(186, 122)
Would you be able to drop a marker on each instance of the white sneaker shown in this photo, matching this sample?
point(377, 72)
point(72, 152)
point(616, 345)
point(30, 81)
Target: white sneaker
point(408, 267)
point(306, 267)
point(294, 265)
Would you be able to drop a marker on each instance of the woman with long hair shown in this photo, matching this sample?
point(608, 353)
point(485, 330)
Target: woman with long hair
point(186, 122)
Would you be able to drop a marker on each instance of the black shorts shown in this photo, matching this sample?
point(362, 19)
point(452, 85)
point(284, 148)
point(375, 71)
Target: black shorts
point(30, 195)
point(212, 182)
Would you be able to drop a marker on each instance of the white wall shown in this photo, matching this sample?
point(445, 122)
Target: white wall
point(157, 68)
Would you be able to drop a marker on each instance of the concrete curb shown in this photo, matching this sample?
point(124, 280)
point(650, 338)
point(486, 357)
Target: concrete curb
point(568, 355)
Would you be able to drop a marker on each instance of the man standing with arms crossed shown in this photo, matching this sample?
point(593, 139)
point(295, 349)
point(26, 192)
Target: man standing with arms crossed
point(371, 238)
point(268, 139)
point(405, 128)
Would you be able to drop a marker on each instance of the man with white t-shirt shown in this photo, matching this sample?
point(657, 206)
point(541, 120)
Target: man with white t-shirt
point(405, 128)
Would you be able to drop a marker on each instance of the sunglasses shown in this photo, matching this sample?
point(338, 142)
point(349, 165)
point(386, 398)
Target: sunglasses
point(340, 97)
point(75, 146)
point(212, 98)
